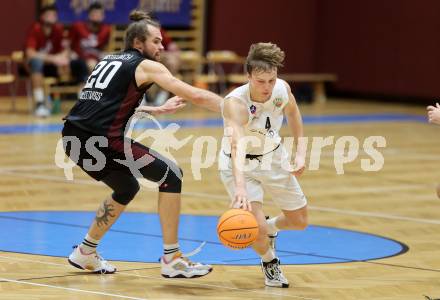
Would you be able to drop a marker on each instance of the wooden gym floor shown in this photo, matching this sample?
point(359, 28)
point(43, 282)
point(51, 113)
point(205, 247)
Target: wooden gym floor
point(398, 202)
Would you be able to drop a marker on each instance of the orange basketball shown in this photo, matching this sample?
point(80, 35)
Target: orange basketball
point(237, 229)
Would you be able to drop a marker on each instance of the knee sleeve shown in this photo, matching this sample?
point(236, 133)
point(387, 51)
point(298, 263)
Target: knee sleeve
point(161, 170)
point(36, 65)
point(125, 195)
point(172, 183)
point(124, 187)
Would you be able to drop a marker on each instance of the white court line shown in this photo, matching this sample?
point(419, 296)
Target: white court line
point(51, 178)
point(220, 286)
point(151, 277)
point(29, 167)
point(334, 210)
point(375, 215)
point(216, 197)
point(70, 289)
point(356, 190)
point(31, 260)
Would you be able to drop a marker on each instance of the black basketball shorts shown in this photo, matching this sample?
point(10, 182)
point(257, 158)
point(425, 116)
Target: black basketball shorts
point(118, 155)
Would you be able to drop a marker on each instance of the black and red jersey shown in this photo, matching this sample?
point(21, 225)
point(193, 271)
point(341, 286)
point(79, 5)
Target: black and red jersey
point(110, 95)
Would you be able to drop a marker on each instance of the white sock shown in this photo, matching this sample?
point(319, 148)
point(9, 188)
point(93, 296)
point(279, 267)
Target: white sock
point(271, 226)
point(268, 256)
point(89, 244)
point(169, 250)
point(38, 95)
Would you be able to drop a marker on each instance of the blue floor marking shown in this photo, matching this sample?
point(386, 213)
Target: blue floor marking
point(217, 122)
point(137, 237)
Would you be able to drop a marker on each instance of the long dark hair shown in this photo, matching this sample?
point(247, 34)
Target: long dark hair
point(139, 27)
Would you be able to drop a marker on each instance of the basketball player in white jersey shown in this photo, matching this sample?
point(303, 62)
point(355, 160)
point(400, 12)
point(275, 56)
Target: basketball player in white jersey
point(255, 111)
point(434, 118)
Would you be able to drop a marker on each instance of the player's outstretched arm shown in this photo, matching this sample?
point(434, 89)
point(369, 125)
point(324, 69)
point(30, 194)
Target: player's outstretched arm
point(151, 71)
point(294, 120)
point(235, 115)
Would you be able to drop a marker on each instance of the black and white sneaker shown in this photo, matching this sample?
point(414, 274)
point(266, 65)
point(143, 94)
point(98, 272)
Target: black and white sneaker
point(273, 275)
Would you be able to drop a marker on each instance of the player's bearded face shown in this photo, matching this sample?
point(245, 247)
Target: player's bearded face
point(153, 44)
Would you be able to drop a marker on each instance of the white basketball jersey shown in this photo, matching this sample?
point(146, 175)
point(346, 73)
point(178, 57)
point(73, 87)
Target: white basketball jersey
point(264, 119)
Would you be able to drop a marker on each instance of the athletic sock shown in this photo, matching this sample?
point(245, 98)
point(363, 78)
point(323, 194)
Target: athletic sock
point(89, 244)
point(169, 250)
point(268, 256)
point(271, 226)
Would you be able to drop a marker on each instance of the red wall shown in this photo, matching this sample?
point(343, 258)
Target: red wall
point(16, 17)
point(291, 24)
point(375, 47)
point(381, 47)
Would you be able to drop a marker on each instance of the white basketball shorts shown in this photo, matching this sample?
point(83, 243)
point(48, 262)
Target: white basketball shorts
point(265, 175)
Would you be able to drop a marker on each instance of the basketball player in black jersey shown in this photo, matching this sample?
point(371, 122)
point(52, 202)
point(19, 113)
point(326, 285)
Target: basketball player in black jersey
point(109, 99)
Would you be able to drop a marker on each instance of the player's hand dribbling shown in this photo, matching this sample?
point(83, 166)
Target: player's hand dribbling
point(241, 200)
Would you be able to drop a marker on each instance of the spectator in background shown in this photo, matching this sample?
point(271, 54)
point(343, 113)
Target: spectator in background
point(171, 54)
point(88, 41)
point(45, 54)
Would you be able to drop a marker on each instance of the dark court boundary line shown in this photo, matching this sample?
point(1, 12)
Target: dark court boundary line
point(85, 273)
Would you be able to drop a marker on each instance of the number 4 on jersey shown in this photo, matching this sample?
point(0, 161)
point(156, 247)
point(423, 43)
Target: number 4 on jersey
point(267, 124)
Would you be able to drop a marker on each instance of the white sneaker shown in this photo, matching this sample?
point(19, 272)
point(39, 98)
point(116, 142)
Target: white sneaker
point(42, 111)
point(273, 275)
point(181, 267)
point(92, 262)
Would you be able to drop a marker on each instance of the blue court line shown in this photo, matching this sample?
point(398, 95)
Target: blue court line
point(218, 122)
